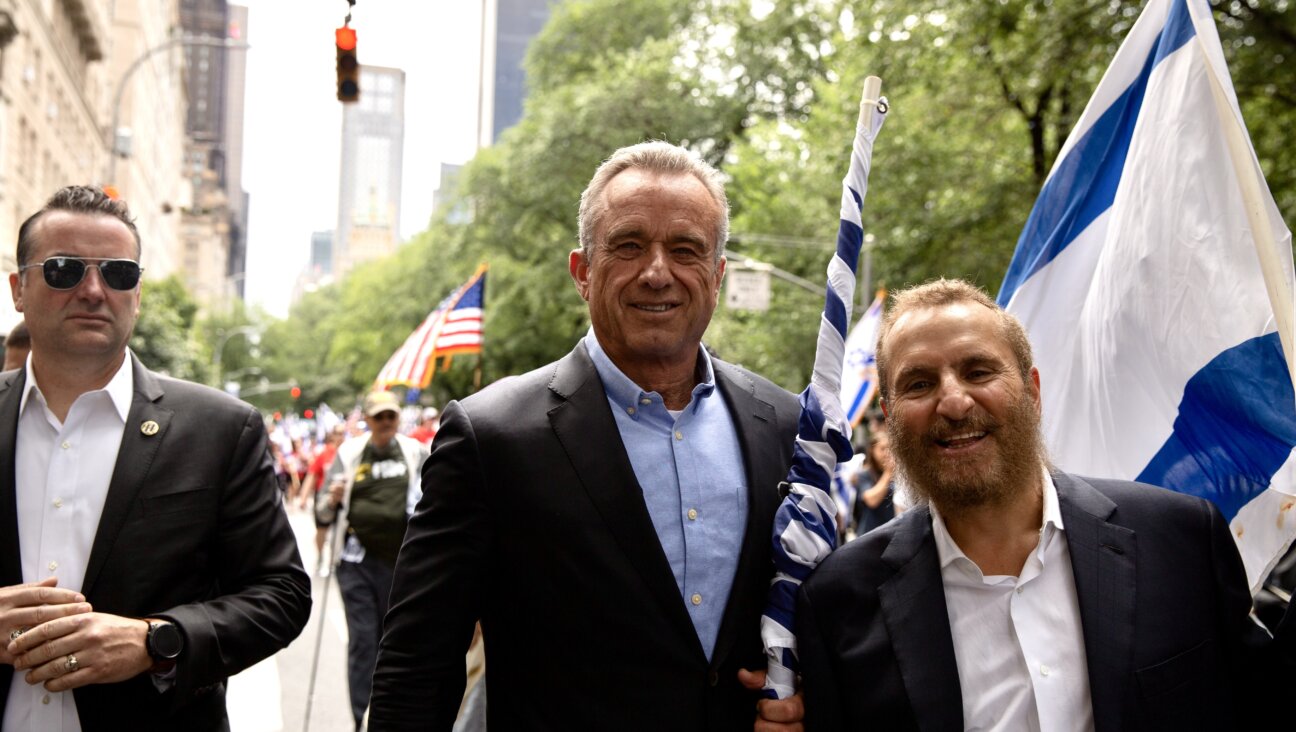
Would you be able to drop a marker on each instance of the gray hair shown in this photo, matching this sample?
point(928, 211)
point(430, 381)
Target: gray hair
point(658, 157)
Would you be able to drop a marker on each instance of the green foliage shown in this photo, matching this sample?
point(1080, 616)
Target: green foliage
point(983, 95)
point(164, 338)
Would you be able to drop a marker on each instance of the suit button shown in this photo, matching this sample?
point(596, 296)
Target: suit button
point(713, 678)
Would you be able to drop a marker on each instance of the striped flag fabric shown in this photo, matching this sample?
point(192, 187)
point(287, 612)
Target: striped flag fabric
point(805, 524)
point(454, 327)
point(859, 372)
point(1155, 279)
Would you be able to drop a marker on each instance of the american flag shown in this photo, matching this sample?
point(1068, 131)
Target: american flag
point(453, 328)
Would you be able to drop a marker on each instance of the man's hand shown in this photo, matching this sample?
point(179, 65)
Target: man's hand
point(774, 715)
point(107, 648)
point(27, 606)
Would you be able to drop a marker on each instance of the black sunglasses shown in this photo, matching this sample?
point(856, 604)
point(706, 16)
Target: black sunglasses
point(65, 273)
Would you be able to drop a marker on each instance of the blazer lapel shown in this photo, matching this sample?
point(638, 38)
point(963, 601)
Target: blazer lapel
point(134, 459)
point(11, 389)
point(913, 604)
point(754, 420)
point(1103, 557)
point(588, 433)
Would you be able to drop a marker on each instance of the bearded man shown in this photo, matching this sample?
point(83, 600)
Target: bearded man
point(1014, 596)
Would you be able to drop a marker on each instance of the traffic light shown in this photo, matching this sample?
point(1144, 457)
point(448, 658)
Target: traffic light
point(348, 68)
point(295, 392)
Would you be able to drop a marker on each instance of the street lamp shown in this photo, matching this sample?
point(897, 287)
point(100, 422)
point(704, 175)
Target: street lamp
point(114, 149)
point(253, 334)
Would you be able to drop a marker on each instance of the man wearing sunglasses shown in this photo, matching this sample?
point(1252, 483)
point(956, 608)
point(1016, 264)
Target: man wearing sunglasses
point(376, 477)
point(144, 554)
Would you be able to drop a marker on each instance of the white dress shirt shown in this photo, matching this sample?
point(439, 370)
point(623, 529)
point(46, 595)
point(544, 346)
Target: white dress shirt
point(62, 471)
point(1018, 640)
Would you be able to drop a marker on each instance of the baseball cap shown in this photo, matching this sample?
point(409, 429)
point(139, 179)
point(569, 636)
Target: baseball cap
point(380, 401)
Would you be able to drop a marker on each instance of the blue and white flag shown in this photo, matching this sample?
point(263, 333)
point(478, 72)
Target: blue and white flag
point(1155, 279)
point(859, 371)
point(805, 525)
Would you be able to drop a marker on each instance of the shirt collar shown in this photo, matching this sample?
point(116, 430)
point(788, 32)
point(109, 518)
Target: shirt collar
point(621, 390)
point(120, 388)
point(948, 550)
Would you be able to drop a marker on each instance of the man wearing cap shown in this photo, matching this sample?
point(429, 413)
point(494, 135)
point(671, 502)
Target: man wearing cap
point(374, 484)
point(137, 573)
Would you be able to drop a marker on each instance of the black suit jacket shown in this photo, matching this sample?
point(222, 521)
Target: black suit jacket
point(532, 520)
point(1163, 607)
point(192, 530)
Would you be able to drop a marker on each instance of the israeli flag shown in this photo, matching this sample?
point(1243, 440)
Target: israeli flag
point(1155, 279)
point(859, 370)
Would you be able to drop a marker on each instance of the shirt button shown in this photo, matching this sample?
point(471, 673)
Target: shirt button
point(692, 514)
point(1044, 670)
point(679, 435)
point(53, 566)
point(66, 445)
point(1019, 590)
point(630, 410)
point(645, 400)
point(696, 599)
point(58, 503)
point(45, 699)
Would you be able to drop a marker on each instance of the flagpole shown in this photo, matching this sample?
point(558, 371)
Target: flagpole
point(1245, 169)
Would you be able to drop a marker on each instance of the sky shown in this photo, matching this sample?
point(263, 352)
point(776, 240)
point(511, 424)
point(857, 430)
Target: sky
point(293, 121)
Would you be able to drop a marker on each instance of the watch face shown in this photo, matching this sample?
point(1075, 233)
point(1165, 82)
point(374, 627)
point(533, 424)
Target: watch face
point(165, 640)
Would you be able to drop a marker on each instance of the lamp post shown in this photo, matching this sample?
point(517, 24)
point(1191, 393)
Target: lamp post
point(183, 41)
point(253, 334)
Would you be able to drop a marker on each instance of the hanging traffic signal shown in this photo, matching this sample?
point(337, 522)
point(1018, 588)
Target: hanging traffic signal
point(295, 392)
point(348, 68)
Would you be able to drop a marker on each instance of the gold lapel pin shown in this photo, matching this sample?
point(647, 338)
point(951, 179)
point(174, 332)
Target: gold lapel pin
point(149, 428)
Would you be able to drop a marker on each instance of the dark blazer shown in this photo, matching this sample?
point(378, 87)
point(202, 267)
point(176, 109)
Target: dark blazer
point(1163, 607)
point(532, 520)
point(193, 530)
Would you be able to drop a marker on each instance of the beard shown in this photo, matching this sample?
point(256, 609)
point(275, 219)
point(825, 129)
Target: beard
point(957, 484)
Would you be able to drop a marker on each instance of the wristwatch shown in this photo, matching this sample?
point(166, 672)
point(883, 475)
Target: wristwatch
point(163, 643)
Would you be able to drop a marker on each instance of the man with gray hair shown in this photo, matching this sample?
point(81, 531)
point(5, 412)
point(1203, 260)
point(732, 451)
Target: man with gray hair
point(606, 517)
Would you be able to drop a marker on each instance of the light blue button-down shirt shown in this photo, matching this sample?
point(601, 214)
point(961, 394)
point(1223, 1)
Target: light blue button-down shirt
point(690, 468)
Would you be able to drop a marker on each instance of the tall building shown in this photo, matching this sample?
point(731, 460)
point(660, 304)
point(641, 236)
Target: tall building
point(444, 201)
point(215, 215)
point(319, 272)
point(507, 29)
point(63, 81)
point(148, 103)
point(373, 134)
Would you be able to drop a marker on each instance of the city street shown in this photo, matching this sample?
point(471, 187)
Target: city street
point(271, 696)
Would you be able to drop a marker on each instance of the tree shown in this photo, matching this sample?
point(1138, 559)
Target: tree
point(164, 337)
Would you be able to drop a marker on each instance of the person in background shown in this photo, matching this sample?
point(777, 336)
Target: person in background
point(17, 345)
point(427, 427)
point(375, 478)
point(310, 492)
point(874, 500)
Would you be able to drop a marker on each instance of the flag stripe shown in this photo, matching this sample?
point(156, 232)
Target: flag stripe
point(1138, 280)
point(453, 327)
point(1083, 184)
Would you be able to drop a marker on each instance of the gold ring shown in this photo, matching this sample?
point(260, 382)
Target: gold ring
point(72, 664)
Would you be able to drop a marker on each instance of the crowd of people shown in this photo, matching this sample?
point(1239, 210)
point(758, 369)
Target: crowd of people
point(598, 530)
